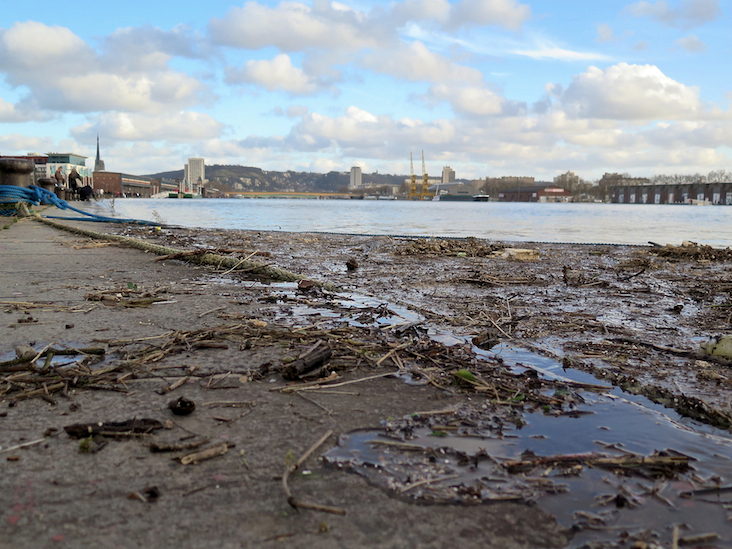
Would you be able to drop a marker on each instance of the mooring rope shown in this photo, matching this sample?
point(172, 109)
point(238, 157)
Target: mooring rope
point(11, 198)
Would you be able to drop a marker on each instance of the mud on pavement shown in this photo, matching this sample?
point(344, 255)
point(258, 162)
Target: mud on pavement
point(164, 403)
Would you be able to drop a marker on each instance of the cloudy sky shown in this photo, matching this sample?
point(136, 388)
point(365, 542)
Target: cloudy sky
point(489, 87)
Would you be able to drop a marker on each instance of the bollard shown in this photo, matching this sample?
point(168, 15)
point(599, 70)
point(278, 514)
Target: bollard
point(16, 172)
point(47, 183)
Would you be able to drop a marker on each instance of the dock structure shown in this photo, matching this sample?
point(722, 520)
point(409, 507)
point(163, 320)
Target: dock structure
point(718, 193)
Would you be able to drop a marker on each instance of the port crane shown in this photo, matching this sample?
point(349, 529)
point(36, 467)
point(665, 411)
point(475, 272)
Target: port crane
point(413, 181)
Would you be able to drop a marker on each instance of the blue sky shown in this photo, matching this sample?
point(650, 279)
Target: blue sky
point(489, 87)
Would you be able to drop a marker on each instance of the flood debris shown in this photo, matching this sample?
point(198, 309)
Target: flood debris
point(290, 469)
point(129, 428)
point(691, 251)
point(208, 453)
point(182, 406)
point(471, 247)
point(149, 494)
point(179, 447)
point(315, 357)
point(719, 346)
point(666, 464)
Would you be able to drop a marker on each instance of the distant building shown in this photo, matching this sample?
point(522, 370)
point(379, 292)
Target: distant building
point(448, 174)
point(506, 180)
point(98, 163)
point(195, 175)
point(545, 192)
point(67, 162)
point(123, 184)
point(355, 178)
point(567, 180)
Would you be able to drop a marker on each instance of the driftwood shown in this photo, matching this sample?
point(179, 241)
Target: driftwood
point(113, 428)
point(313, 358)
point(208, 453)
point(155, 447)
point(665, 463)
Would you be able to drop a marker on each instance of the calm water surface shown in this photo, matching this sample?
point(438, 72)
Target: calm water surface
point(583, 223)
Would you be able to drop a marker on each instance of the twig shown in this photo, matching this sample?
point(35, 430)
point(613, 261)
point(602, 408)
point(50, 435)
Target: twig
point(327, 411)
point(292, 468)
point(242, 261)
point(299, 388)
point(24, 445)
point(426, 481)
point(211, 311)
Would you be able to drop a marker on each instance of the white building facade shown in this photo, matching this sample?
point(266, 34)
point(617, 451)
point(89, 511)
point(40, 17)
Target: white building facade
point(355, 178)
point(448, 174)
point(194, 176)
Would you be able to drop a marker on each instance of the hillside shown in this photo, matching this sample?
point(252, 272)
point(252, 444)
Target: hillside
point(231, 177)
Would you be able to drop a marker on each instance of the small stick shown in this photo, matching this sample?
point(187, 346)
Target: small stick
point(289, 389)
point(208, 453)
point(327, 411)
point(24, 445)
point(426, 481)
point(292, 468)
point(211, 311)
point(242, 261)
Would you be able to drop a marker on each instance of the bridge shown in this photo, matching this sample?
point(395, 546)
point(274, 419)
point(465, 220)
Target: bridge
point(673, 193)
point(279, 194)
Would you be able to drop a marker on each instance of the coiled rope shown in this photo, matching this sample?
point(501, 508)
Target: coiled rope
point(12, 199)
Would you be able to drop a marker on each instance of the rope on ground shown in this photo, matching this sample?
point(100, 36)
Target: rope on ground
point(12, 197)
point(275, 273)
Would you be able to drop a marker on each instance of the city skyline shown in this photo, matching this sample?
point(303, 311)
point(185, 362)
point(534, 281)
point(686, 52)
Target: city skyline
point(488, 87)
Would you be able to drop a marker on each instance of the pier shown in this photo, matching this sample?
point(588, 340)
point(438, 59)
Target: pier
point(719, 193)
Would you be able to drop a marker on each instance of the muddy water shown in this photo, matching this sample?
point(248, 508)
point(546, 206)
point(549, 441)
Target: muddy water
point(614, 424)
point(585, 223)
point(600, 504)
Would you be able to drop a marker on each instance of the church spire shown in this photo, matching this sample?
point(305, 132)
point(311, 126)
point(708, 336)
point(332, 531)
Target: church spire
point(98, 163)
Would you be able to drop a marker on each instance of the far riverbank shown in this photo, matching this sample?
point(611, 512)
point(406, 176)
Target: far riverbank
point(632, 224)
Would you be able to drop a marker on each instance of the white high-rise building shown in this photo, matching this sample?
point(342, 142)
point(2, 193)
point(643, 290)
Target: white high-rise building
point(448, 174)
point(195, 175)
point(355, 178)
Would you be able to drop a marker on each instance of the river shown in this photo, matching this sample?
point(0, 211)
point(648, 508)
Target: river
point(509, 221)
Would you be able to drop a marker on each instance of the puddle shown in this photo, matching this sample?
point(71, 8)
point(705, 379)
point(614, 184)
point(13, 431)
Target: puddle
point(457, 457)
point(63, 360)
point(599, 503)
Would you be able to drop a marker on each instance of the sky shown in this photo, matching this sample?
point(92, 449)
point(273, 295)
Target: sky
point(488, 87)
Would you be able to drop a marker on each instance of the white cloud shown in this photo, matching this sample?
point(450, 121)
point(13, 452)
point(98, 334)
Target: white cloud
point(604, 33)
point(145, 48)
point(179, 127)
point(24, 111)
point(472, 13)
point(548, 50)
point(508, 14)
point(277, 74)
point(630, 92)
point(690, 13)
point(691, 43)
point(296, 111)
point(416, 63)
point(294, 26)
point(32, 52)
point(64, 74)
point(471, 100)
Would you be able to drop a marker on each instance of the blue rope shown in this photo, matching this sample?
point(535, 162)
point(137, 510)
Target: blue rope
point(10, 194)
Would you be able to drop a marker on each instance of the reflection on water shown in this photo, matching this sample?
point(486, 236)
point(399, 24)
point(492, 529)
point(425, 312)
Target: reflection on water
point(459, 465)
point(585, 223)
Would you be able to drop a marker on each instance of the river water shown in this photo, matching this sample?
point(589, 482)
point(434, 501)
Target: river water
point(532, 222)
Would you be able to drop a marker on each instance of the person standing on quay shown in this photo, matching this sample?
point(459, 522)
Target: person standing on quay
point(60, 178)
point(75, 181)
